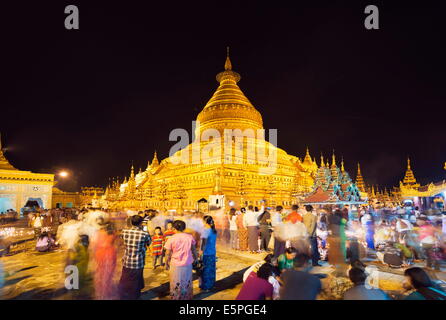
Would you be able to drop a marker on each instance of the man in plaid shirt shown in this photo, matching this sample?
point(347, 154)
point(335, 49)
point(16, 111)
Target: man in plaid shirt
point(136, 242)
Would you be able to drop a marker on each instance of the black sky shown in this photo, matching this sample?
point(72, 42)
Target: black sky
point(92, 100)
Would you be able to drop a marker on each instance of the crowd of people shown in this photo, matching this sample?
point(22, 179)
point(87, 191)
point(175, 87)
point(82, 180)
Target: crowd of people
point(8, 216)
point(294, 241)
point(343, 238)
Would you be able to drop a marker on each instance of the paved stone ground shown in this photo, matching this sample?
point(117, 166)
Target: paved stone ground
point(32, 275)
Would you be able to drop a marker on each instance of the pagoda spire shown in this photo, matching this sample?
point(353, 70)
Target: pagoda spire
point(322, 160)
point(359, 180)
point(132, 172)
point(409, 178)
point(333, 160)
point(228, 64)
point(155, 160)
point(307, 158)
point(342, 165)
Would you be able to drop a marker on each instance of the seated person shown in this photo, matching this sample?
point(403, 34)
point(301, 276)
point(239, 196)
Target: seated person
point(408, 254)
point(273, 279)
point(360, 291)
point(391, 256)
point(44, 242)
point(298, 283)
point(425, 288)
point(257, 286)
point(286, 260)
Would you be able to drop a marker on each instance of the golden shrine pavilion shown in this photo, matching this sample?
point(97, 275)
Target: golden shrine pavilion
point(430, 196)
point(20, 189)
point(333, 186)
point(234, 175)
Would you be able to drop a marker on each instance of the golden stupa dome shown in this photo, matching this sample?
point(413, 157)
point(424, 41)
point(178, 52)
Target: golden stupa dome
point(229, 108)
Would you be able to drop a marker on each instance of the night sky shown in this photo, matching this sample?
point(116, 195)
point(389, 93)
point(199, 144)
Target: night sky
point(92, 100)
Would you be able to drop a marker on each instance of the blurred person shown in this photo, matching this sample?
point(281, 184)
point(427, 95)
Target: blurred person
point(250, 221)
point(68, 234)
point(45, 242)
point(383, 234)
point(342, 235)
point(257, 286)
point(402, 227)
point(264, 228)
point(298, 283)
point(79, 256)
point(2, 278)
point(360, 290)
point(147, 224)
point(346, 212)
point(30, 217)
point(310, 222)
point(242, 231)
point(428, 237)
point(180, 254)
point(443, 224)
point(335, 254)
point(355, 251)
point(105, 255)
point(196, 223)
point(46, 219)
point(294, 231)
point(370, 234)
point(233, 229)
point(276, 223)
point(37, 223)
point(417, 212)
point(208, 255)
point(136, 242)
point(322, 235)
point(425, 289)
point(365, 217)
point(295, 235)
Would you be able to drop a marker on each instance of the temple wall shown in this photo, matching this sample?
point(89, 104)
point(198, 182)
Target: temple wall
point(17, 194)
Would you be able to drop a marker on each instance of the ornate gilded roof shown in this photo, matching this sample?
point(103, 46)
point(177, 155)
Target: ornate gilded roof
point(4, 163)
point(229, 107)
point(360, 179)
point(409, 178)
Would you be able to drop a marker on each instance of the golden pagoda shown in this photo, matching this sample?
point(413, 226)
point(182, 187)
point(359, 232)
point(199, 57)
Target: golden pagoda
point(244, 168)
point(359, 180)
point(410, 189)
point(409, 178)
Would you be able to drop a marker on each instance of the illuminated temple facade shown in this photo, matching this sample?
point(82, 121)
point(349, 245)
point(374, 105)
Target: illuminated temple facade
point(333, 185)
point(431, 196)
point(233, 171)
point(19, 189)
